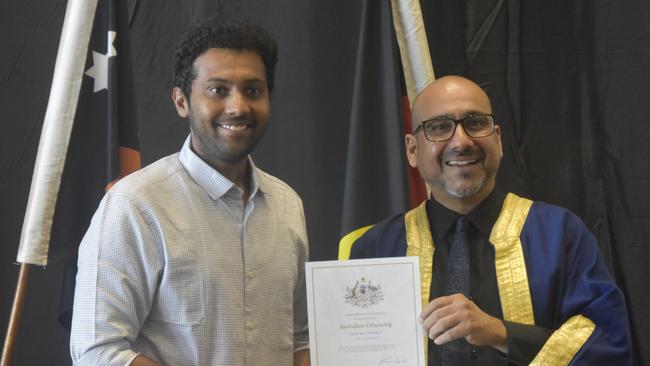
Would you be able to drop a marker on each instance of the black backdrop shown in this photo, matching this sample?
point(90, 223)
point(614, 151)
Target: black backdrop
point(569, 81)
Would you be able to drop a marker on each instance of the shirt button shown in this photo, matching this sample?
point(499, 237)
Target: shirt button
point(474, 353)
point(250, 325)
point(251, 275)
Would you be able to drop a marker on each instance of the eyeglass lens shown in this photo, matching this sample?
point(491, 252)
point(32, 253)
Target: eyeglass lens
point(443, 129)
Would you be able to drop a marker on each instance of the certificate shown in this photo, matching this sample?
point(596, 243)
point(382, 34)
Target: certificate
point(364, 312)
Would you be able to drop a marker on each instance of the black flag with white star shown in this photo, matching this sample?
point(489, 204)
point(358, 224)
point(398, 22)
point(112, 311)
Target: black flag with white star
point(104, 143)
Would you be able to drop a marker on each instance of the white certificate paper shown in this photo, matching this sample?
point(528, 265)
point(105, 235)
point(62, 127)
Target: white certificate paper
point(364, 312)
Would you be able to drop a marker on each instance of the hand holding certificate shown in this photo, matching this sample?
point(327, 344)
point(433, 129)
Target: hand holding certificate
point(364, 312)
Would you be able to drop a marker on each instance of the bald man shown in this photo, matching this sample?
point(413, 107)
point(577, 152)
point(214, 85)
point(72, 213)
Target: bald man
point(505, 280)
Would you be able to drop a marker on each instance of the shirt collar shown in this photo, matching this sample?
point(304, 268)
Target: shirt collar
point(440, 219)
point(483, 217)
point(213, 182)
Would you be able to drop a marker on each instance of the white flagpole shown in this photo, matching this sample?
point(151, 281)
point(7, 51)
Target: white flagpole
point(413, 46)
point(52, 149)
point(55, 135)
point(414, 50)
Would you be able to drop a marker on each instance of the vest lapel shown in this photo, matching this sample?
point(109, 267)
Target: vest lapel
point(420, 244)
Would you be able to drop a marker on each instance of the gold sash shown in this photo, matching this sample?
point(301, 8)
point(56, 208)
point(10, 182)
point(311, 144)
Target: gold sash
point(512, 277)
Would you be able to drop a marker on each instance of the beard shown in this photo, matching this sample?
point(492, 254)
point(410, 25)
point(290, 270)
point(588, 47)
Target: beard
point(213, 148)
point(466, 189)
point(465, 185)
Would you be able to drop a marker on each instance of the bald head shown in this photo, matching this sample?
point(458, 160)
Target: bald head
point(460, 170)
point(449, 96)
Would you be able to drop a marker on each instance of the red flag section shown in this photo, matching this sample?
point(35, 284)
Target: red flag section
point(378, 180)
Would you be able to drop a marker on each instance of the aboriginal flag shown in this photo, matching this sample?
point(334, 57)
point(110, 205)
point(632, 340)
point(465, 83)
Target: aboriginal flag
point(378, 181)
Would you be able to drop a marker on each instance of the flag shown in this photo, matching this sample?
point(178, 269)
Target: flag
point(417, 72)
point(103, 143)
point(376, 174)
point(55, 135)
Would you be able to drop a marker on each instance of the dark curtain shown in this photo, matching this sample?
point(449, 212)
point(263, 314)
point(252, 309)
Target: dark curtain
point(568, 80)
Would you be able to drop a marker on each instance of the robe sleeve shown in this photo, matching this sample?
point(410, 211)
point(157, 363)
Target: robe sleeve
point(524, 341)
point(593, 326)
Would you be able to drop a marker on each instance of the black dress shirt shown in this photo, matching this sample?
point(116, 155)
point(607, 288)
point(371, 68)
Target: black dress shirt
point(524, 342)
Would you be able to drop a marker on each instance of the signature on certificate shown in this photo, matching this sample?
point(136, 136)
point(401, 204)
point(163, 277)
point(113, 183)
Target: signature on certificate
point(392, 360)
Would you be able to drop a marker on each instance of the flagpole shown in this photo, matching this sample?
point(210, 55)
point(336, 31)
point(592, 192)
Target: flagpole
point(55, 134)
point(16, 314)
point(413, 46)
point(52, 149)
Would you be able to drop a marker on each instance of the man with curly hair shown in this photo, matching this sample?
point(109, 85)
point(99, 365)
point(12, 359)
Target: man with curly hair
point(198, 259)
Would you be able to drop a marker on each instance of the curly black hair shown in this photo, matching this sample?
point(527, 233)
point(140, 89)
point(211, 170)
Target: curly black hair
point(219, 32)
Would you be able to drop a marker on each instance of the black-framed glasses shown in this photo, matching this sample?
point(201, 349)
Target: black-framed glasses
point(442, 128)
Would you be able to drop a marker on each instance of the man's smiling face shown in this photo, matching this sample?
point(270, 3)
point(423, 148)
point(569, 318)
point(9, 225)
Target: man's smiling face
point(228, 107)
point(461, 170)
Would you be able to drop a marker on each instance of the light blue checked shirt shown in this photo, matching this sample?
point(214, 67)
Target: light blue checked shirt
point(174, 267)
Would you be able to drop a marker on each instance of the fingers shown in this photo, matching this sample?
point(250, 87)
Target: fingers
point(442, 319)
point(448, 318)
point(457, 331)
point(446, 329)
point(437, 303)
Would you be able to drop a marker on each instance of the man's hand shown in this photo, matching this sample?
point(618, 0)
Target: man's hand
point(448, 318)
point(301, 358)
point(144, 361)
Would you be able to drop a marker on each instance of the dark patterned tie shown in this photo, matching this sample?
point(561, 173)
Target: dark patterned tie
point(457, 281)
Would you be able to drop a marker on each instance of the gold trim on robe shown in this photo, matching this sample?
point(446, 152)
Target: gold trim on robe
point(420, 244)
point(514, 290)
point(564, 343)
point(512, 276)
point(346, 242)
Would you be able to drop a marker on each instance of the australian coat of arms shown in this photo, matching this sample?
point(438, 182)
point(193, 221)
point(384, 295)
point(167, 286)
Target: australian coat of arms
point(363, 294)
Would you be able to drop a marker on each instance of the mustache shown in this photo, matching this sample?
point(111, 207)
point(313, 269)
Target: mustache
point(473, 152)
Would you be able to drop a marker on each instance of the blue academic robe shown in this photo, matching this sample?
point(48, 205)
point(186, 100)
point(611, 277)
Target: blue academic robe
point(550, 273)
